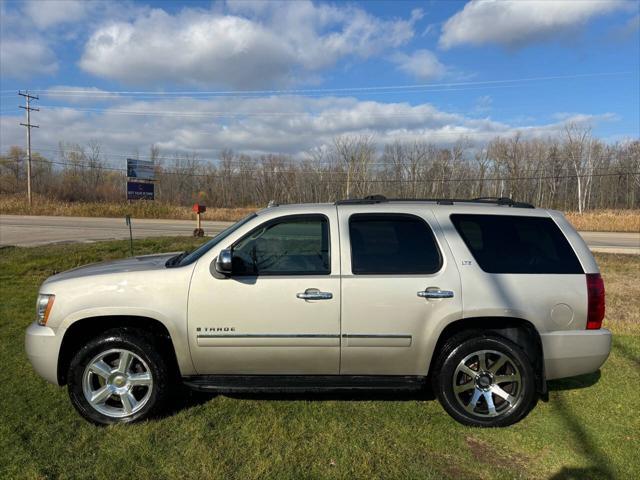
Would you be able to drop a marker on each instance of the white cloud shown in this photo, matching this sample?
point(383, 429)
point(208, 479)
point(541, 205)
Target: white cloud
point(584, 119)
point(421, 64)
point(515, 23)
point(189, 48)
point(21, 58)
point(280, 124)
point(46, 14)
point(32, 32)
point(253, 45)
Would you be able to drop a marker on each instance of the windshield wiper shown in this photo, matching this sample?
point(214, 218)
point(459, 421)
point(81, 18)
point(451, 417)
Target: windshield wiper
point(173, 261)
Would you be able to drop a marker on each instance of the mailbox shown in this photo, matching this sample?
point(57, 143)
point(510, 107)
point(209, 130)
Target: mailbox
point(199, 208)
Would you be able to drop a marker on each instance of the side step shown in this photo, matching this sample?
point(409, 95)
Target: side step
point(302, 383)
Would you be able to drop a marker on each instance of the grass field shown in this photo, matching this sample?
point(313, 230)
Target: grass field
point(590, 428)
point(592, 221)
point(606, 220)
point(13, 205)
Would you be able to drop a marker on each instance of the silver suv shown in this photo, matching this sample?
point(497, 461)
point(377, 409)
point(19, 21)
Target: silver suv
point(484, 300)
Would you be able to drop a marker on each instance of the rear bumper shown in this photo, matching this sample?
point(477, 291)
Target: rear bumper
point(42, 346)
point(574, 352)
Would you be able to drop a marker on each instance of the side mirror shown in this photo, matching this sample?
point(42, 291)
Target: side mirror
point(224, 262)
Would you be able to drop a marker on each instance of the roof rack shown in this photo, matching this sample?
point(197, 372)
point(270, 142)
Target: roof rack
point(372, 199)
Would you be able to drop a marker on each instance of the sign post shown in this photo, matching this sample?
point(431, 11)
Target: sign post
point(127, 220)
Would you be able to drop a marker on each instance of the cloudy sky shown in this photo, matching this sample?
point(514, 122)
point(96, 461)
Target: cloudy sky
point(263, 77)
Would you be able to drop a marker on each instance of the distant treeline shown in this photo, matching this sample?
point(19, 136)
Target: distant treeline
point(574, 172)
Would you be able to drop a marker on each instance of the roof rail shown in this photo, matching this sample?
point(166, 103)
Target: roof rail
point(363, 201)
point(372, 199)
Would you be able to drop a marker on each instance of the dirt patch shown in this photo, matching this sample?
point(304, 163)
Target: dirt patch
point(485, 453)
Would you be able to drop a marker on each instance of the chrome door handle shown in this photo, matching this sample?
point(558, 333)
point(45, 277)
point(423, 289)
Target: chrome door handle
point(313, 294)
point(435, 293)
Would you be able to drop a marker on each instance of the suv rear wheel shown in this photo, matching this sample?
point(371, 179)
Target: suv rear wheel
point(485, 380)
point(118, 377)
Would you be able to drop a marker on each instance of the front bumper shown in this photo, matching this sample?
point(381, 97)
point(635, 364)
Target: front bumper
point(574, 352)
point(43, 346)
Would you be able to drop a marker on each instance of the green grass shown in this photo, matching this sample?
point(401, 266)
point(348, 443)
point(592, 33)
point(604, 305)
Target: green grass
point(590, 428)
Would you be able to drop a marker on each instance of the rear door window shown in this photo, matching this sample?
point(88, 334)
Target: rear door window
point(514, 244)
point(392, 244)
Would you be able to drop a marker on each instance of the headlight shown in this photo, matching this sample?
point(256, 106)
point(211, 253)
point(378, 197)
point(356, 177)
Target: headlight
point(43, 308)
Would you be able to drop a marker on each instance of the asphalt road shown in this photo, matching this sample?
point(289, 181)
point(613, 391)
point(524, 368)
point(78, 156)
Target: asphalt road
point(26, 231)
point(32, 230)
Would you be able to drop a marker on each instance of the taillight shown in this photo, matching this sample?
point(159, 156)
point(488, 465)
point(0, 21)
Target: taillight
point(595, 299)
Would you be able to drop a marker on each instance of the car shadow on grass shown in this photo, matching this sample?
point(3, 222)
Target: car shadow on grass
point(340, 395)
point(626, 352)
point(186, 398)
point(574, 383)
point(587, 446)
point(585, 443)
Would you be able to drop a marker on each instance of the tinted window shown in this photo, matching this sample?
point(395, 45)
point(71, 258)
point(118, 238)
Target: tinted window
point(392, 244)
point(510, 244)
point(295, 245)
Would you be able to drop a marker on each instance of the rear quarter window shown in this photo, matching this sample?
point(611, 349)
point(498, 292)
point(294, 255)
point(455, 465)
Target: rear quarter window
point(515, 244)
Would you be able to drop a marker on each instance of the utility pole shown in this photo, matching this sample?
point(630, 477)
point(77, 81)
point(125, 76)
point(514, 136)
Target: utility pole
point(29, 126)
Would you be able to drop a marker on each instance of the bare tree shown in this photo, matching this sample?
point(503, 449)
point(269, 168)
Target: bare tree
point(580, 151)
point(571, 172)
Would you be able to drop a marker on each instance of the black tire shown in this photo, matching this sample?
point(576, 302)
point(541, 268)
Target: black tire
point(153, 398)
point(490, 409)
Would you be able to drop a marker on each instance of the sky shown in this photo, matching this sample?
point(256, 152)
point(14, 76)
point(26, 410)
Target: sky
point(289, 77)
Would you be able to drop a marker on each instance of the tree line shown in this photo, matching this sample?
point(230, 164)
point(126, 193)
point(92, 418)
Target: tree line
point(575, 171)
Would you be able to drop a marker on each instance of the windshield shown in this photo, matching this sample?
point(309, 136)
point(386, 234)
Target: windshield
point(205, 247)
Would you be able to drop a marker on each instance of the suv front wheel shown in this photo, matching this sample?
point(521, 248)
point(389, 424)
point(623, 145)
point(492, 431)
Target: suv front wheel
point(119, 376)
point(485, 380)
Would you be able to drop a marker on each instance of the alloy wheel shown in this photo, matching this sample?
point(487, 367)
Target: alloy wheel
point(488, 383)
point(117, 383)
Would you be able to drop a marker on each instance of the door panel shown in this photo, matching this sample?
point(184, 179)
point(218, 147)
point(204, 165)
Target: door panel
point(257, 324)
point(387, 328)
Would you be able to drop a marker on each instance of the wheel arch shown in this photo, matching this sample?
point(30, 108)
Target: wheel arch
point(518, 330)
point(82, 330)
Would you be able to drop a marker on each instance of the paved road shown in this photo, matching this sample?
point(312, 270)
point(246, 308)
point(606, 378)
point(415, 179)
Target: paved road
point(613, 242)
point(32, 230)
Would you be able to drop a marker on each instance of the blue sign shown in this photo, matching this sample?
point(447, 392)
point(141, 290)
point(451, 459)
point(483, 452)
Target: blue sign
point(140, 169)
point(139, 191)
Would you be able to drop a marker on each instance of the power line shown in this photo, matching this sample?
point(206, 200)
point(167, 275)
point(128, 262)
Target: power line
point(29, 126)
point(229, 114)
point(415, 111)
point(116, 96)
point(213, 161)
point(143, 96)
point(338, 89)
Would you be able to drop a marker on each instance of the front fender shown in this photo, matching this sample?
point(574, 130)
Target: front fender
point(177, 329)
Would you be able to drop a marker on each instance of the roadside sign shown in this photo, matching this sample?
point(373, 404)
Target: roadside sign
point(139, 191)
point(140, 169)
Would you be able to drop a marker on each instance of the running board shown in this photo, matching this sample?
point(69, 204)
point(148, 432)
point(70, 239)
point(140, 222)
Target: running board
point(302, 383)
